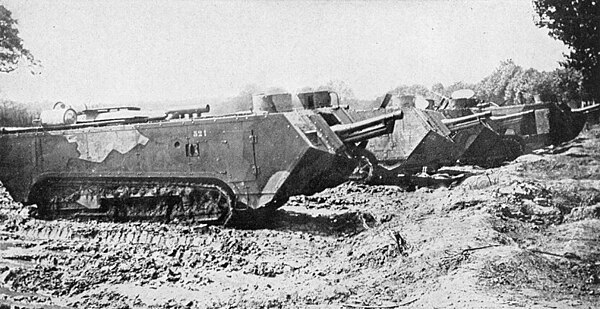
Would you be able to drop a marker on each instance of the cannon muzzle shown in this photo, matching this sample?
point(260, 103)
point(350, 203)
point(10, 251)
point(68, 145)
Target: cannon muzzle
point(366, 129)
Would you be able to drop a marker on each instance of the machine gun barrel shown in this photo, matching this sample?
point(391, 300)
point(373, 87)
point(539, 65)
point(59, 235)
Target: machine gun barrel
point(196, 110)
point(366, 129)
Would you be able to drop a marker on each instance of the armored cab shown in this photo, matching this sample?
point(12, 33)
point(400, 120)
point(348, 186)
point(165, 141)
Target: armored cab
point(179, 164)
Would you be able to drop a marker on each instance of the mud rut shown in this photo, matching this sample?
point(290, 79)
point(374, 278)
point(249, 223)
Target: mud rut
point(522, 235)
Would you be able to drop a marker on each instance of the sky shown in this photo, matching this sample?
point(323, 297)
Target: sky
point(119, 51)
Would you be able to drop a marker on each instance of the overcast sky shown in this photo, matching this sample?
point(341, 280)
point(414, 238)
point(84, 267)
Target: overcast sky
point(109, 52)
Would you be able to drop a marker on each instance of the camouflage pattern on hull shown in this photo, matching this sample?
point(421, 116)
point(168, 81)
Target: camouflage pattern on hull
point(205, 164)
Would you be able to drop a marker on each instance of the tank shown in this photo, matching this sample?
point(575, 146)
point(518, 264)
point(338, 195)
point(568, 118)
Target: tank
point(536, 125)
point(540, 124)
point(420, 139)
point(427, 138)
point(122, 164)
point(480, 143)
point(591, 113)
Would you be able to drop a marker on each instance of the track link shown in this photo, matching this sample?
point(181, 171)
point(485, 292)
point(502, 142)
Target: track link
point(134, 199)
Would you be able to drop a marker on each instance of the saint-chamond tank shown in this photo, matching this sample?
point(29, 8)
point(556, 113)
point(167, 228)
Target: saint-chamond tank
point(124, 163)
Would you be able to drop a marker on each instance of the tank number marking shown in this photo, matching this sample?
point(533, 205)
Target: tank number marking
point(199, 133)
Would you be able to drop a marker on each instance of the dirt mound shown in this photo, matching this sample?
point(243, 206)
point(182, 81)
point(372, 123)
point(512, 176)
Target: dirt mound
point(522, 235)
point(12, 213)
point(6, 201)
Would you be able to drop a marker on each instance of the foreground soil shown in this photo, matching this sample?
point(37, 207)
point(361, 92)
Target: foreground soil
point(523, 235)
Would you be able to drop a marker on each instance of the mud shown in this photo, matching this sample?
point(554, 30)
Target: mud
point(522, 235)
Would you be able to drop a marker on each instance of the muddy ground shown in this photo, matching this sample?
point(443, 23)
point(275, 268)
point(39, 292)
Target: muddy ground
point(526, 234)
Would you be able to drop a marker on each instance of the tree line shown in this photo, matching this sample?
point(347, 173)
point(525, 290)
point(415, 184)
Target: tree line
point(574, 22)
point(511, 84)
point(508, 84)
point(13, 114)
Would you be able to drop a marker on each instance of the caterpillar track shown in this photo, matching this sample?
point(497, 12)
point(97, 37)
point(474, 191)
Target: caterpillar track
point(133, 199)
point(510, 147)
point(515, 146)
point(125, 164)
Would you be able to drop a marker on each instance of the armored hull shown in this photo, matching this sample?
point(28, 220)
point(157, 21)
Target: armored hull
point(539, 125)
point(590, 113)
point(480, 142)
point(426, 138)
point(199, 169)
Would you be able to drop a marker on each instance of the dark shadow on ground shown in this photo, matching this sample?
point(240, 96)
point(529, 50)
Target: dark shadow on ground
point(335, 224)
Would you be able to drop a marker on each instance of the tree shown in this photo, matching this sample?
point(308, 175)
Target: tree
point(13, 114)
point(12, 51)
point(567, 85)
point(495, 87)
point(577, 24)
point(415, 89)
point(438, 89)
point(275, 89)
point(241, 102)
point(511, 84)
point(342, 89)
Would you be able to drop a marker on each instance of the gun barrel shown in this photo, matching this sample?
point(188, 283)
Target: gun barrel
point(189, 111)
point(368, 128)
point(461, 120)
point(586, 109)
point(364, 135)
point(512, 116)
